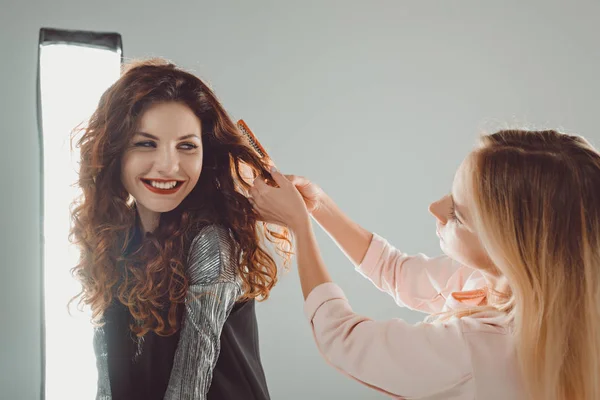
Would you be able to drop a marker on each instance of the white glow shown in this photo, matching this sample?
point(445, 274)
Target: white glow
point(72, 79)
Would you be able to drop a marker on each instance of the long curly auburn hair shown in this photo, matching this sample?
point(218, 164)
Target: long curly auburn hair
point(152, 277)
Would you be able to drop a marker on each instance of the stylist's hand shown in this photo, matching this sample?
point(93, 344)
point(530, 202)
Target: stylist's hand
point(281, 205)
point(312, 194)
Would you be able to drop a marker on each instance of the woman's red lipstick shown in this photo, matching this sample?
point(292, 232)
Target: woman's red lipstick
point(156, 190)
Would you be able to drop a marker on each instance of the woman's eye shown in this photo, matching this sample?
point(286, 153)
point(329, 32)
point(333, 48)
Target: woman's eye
point(453, 216)
point(152, 144)
point(188, 146)
point(146, 143)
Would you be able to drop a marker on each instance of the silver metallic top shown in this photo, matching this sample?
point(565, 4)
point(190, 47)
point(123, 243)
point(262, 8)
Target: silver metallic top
point(214, 287)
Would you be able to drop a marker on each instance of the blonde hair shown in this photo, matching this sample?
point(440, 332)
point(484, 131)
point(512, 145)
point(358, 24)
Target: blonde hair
point(536, 208)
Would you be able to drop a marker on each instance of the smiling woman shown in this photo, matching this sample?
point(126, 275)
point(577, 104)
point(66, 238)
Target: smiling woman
point(171, 253)
point(160, 166)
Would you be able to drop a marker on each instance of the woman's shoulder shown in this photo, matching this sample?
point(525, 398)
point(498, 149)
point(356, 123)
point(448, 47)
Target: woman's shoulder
point(211, 256)
point(214, 232)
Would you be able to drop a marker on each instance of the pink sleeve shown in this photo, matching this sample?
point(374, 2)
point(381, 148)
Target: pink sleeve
point(393, 357)
point(417, 282)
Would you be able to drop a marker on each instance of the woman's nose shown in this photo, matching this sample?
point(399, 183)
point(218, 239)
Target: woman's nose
point(167, 162)
point(436, 209)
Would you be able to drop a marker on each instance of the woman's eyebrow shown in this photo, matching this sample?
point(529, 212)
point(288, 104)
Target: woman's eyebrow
point(191, 135)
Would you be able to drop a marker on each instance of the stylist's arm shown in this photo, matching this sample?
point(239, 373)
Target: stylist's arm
point(285, 206)
point(393, 357)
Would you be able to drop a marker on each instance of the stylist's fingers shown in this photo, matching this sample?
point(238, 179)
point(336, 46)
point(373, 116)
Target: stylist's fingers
point(262, 212)
point(256, 203)
point(278, 177)
point(259, 185)
point(259, 194)
point(297, 180)
point(253, 191)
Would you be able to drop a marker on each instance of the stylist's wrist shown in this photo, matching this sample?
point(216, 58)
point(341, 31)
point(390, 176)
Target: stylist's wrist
point(301, 224)
point(323, 207)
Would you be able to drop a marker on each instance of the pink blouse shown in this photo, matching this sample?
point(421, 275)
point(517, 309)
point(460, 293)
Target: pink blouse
point(467, 358)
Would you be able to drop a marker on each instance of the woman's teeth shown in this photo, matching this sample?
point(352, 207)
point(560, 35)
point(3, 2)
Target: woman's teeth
point(163, 185)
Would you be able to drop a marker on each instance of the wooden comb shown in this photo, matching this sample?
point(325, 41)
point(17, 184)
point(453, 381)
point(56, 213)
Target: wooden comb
point(262, 153)
point(254, 143)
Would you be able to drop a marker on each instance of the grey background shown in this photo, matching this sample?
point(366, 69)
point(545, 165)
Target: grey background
point(377, 101)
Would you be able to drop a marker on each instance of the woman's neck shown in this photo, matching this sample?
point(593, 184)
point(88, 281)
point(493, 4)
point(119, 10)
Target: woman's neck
point(148, 219)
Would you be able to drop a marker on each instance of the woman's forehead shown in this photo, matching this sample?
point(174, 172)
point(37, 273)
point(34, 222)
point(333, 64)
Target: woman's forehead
point(169, 119)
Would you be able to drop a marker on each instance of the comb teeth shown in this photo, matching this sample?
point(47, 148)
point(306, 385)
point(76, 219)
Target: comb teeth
point(253, 143)
point(251, 138)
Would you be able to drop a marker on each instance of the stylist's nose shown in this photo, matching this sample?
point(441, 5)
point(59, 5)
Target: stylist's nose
point(167, 162)
point(437, 209)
